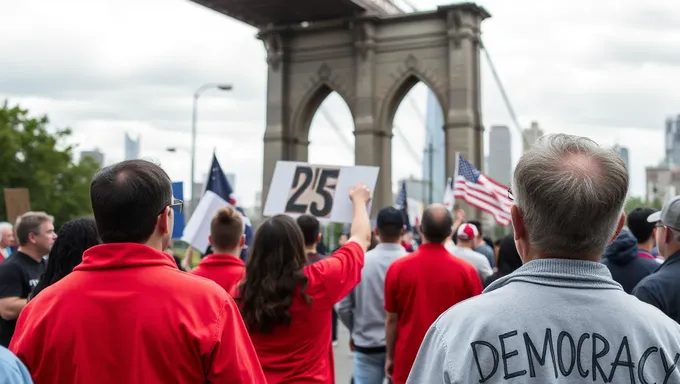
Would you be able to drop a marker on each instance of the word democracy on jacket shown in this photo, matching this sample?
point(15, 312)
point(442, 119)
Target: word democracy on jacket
point(587, 354)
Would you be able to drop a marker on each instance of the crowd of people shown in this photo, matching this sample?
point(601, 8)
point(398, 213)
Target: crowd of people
point(576, 293)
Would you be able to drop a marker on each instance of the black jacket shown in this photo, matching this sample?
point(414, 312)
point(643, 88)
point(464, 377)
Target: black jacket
point(622, 259)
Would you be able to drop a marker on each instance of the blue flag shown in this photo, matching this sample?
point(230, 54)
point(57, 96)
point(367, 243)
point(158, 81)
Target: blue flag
point(178, 193)
point(219, 185)
point(402, 205)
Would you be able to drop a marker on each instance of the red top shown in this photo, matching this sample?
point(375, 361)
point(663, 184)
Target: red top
point(419, 287)
point(645, 255)
point(225, 270)
point(127, 315)
point(302, 353)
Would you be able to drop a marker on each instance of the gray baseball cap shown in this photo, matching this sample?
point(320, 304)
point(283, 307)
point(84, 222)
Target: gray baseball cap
point(669, 214)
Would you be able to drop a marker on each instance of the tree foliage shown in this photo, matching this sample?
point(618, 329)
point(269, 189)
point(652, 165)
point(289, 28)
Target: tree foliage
point(33, 157)
point(636, 202)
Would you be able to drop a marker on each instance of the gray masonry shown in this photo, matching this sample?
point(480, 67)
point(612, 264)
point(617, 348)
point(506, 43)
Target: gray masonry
point(372, 62)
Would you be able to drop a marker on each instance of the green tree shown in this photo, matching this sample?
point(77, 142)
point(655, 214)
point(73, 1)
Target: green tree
point(33, 157)
point(636, 202)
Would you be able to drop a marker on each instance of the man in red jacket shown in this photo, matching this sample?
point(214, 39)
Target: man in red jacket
point(227, 238)
point(126, 314)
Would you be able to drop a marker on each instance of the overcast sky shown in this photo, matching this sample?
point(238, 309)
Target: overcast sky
point(603, 69)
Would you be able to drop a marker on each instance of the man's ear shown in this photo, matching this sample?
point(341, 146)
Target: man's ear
point(163, 221)
point(210, 241)
point(619, 227)
point(318, 238)
point(242, 242)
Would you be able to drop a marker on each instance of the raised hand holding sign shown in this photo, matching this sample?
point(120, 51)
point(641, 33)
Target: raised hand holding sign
point(322, 191)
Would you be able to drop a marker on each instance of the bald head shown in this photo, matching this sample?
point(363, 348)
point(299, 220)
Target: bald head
point(436, 223)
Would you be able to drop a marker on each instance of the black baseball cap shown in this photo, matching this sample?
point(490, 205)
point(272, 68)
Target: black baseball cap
point(389, 216)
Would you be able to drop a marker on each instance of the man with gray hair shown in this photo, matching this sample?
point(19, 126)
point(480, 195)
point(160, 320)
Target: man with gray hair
point(20, 273)
point(560, 318)
point(6, 239)
point(662, 288)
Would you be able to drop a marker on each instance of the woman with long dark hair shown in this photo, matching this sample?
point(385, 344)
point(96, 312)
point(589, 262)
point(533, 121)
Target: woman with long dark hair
point(286, 302)
point(508, 259)
point(73, 239)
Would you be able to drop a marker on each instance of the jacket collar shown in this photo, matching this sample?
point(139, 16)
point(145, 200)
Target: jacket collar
point(123, 255)
point(217, 259)
point(564, 273)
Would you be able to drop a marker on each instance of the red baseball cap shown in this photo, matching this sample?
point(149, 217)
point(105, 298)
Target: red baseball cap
point(467, 232)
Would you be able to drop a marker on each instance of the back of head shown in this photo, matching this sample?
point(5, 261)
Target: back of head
point(309, 225)
point(273, 272)
point(30, 223)
point(226, 229)
point(5, 230)
point(390, 223)
point(73, 239)
point(508, 257)
point(570, 193)
point(467, 233)
point(638, 224)
point(436, 224)
point(127, 199)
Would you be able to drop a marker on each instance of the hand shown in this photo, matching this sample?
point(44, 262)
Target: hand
point(351, 345)
point(360, 194)
point(389, 368)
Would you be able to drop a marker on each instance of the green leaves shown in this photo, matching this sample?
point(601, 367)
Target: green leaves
point(33, 157)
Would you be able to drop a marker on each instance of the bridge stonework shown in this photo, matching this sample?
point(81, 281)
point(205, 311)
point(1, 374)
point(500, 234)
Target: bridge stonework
point(372, 62)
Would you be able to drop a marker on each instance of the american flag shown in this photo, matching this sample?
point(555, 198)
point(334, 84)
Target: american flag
point(482, 192)
point(402, 205)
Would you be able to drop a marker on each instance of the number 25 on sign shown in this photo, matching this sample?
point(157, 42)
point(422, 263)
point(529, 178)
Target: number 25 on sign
point(312, 191)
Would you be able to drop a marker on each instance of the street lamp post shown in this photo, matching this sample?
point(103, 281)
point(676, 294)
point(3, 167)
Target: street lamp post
point(197, 94)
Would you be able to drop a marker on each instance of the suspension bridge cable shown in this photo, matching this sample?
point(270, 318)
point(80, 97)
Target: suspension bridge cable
point(504, 94)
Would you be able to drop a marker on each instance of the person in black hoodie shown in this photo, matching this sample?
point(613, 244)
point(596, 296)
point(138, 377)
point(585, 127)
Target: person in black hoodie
point(626, 267)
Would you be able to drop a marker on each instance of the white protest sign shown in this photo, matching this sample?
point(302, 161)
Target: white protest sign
point(197, 231)
point(322, 191)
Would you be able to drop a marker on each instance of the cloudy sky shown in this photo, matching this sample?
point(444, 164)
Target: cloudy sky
point(603, 69)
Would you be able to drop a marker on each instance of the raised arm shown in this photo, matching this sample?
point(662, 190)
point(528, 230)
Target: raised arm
point(341, 272)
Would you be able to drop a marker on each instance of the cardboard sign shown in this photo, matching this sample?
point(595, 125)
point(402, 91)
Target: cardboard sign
point(16, 203)
point(319, 190)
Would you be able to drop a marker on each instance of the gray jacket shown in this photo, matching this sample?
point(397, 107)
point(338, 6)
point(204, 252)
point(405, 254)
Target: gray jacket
point(363, 310)
point(551, 321)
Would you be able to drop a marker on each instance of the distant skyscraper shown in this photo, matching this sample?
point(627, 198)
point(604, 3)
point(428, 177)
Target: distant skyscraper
point(623, 152)
point(673, 142)
point(531, 134)
point(500, 154)
point(95, 154)
point(434, 155)
point(131, 147)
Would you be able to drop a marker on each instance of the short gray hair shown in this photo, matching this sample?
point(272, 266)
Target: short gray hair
point(570, 207)
point(4, 225)
point(28, 223)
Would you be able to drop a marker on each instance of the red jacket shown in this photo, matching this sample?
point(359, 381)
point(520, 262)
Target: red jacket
point(302, 353)
point(225, 270)
point(126, 314)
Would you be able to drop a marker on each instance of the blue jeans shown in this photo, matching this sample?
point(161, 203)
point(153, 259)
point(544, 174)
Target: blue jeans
point(369, 369)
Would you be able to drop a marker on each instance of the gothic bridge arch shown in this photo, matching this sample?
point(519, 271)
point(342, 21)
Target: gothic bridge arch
point(372, 62)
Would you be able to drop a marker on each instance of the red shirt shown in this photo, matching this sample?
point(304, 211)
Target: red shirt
point(645, 255)
point(126, 314)
point(225, 270)
point(419, 287)
point(302, 353)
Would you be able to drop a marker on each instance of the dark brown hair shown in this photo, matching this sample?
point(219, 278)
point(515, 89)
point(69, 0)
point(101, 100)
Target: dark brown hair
point(226, 228)
point(274, 272)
